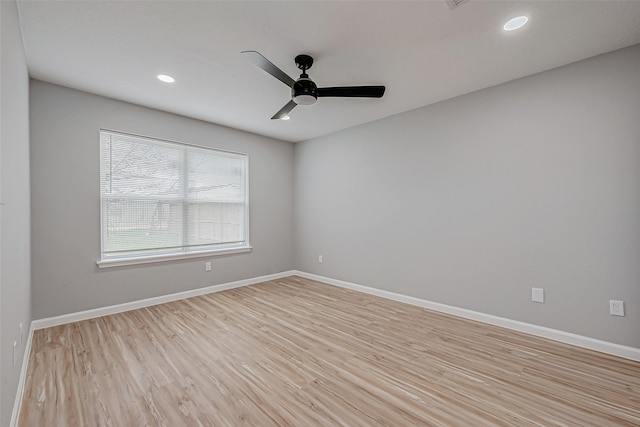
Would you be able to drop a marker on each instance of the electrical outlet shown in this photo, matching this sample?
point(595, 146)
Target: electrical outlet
point(616, 308)
point(537, 294)
point(320, 259)
point(207, 266)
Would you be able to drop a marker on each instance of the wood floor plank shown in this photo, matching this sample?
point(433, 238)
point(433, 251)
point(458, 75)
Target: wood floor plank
point(295, 352)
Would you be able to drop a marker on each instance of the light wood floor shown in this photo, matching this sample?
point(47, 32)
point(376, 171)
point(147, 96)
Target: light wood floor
point(295, 352)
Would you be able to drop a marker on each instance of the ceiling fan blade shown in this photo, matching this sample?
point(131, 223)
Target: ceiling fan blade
point(352, 91)
point(266, 65)
point(284, 110)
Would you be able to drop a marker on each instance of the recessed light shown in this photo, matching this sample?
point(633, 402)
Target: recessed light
point(515, 23)
point(285, 118)
point(165, 78)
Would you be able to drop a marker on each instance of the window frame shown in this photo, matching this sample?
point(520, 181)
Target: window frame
point(181, 253)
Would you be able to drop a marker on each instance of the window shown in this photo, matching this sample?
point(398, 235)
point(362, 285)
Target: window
point(164, 200)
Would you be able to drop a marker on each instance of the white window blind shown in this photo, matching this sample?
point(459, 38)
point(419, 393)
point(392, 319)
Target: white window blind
point(163, 198)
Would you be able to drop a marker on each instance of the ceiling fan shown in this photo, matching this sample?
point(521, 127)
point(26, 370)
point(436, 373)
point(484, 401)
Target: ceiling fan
point(304, 91)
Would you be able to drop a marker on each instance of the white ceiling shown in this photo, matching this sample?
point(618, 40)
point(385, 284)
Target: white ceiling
point(421, 50)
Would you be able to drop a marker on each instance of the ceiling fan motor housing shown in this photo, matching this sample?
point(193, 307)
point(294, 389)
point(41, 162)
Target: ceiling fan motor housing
point(303, 91)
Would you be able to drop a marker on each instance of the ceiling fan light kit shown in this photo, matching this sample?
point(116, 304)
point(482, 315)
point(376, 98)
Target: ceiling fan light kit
point(304, 91)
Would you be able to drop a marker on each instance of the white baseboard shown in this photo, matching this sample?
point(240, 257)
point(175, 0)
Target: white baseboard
point(133, 305)
point(17, 405)
point(541, 331)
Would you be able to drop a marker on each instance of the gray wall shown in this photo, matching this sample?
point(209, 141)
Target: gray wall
point(472, 201)
point(15, 289)
point(65, 203)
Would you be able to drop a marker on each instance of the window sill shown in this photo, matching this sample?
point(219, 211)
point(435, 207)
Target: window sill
point(119, 262)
